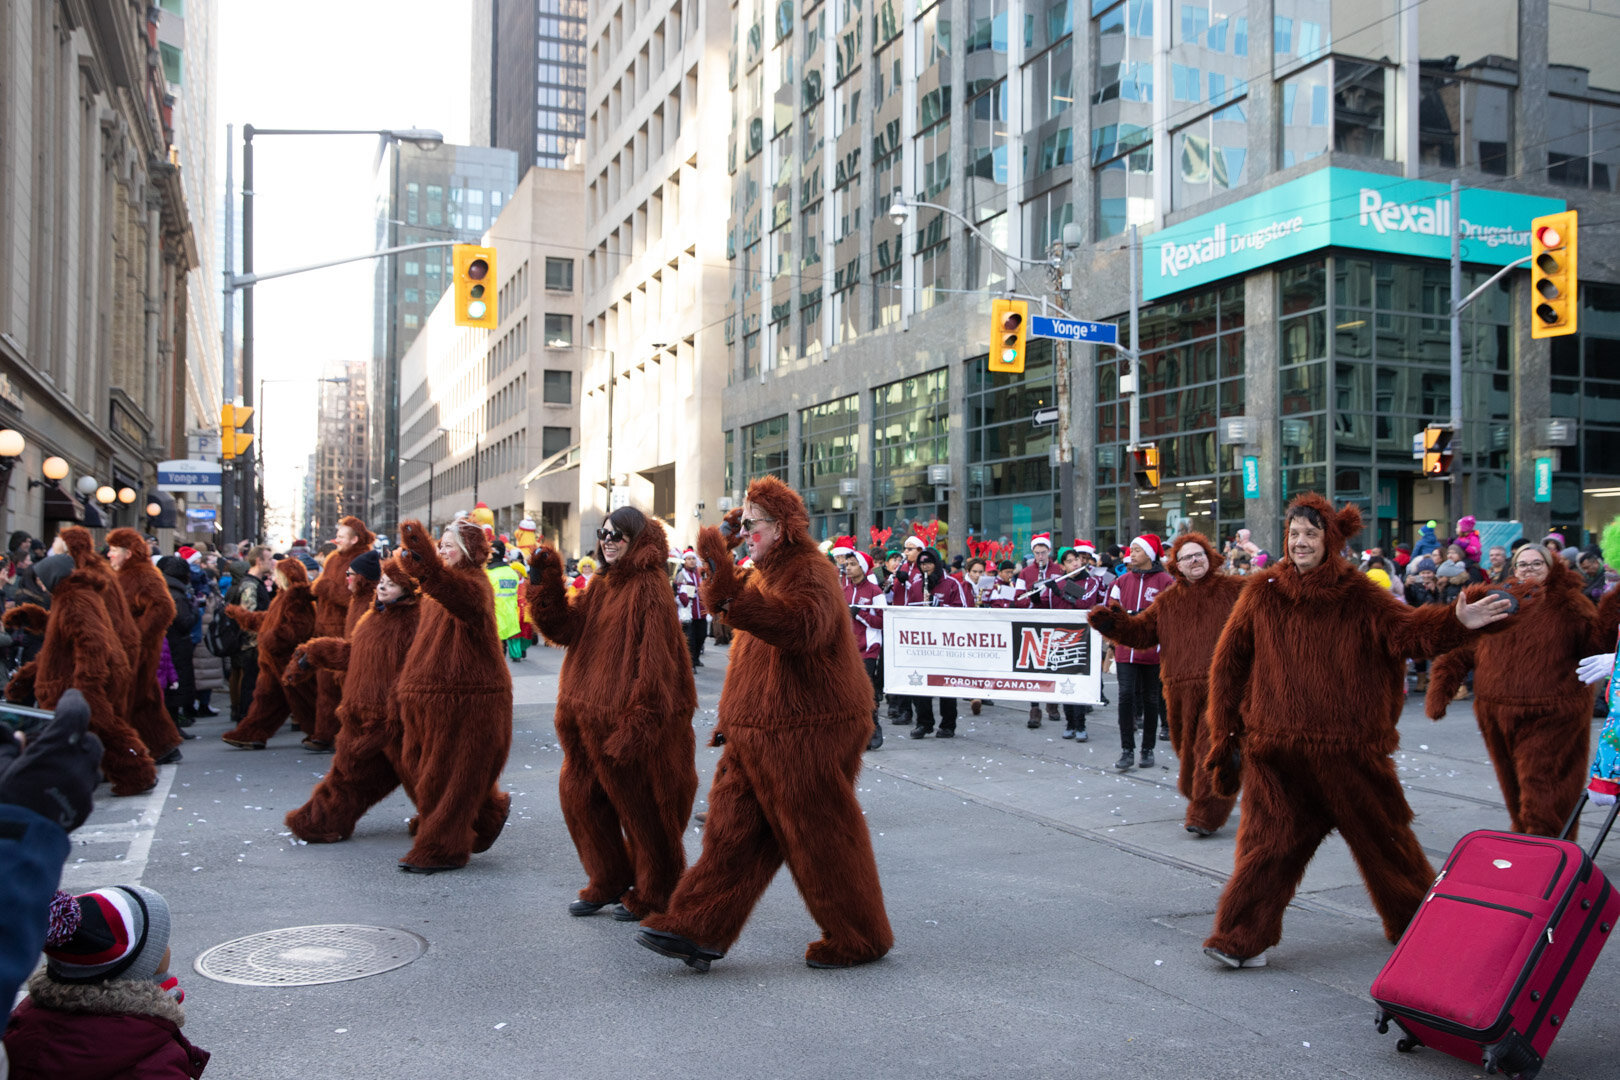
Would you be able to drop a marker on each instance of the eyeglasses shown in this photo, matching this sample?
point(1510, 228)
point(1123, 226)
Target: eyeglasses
point(1530, 564)
point(749, 524)
point(613, 535)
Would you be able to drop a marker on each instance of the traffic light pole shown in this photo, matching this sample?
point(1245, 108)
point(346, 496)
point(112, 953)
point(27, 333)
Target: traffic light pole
point(1457, 441)
point(1134, 519)
point(246, 482)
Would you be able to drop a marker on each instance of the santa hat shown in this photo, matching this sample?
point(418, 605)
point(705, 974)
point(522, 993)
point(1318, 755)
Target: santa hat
point(188, 553)
point(1039, 539)
point(1085, 547)
point(120, 932)
point(913, 542)
point(843, 545)
point(864, 560)
point(688, 551)
point(1150, 544)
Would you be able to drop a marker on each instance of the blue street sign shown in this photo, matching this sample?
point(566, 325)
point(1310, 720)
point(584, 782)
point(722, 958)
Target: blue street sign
point(1087, 333)
point(1251, 477)
point(1543, 480)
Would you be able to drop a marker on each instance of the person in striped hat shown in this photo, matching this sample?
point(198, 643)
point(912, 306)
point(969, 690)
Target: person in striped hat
point(105, 1003)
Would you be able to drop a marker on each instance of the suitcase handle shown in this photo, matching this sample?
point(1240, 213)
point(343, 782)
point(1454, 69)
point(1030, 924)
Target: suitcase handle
point(1603, 833)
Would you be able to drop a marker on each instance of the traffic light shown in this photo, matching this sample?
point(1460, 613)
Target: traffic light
point(1009, 322)
point(1147, 467)
point(475, 278)
point(1437, 451)
point(233, 442)
point(1554, 285)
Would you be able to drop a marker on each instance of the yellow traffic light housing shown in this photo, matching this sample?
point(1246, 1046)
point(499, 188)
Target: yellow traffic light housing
point(1009, 324)
point(475, 285)
point(1437, 451)
point(233, 442)
point(1147, 466)
point(1554, 285)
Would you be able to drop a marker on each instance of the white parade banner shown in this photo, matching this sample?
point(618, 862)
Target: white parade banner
point(1004, 654)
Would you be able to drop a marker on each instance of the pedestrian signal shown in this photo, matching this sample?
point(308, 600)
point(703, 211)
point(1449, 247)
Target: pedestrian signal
point(1553, 282)
point(1437, 451)
point(1009, 323)
point(1147, 467)
point(475, 279)
point(234, 442)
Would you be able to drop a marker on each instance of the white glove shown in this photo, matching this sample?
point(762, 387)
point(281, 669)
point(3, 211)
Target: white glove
point(1594, 669)
point(1600, 798)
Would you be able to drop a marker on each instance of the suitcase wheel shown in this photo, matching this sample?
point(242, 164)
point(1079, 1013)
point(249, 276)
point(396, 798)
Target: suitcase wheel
point(1407, 1044)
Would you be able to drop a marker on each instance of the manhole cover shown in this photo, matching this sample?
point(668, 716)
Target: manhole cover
point(306, 955)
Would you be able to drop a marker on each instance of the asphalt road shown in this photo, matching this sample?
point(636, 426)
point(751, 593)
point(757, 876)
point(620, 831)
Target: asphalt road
point(1048, 914)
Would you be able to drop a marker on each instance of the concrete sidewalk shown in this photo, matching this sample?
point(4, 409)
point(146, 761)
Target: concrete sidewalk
point(1048, 914)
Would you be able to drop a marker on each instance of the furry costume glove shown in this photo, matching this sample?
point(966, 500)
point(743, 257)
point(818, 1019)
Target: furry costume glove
point(55, 774)
point(723, 584)
point(542, 563)
point(418, 544)
point(30, 617)
point(1603, 792)
point(298, 669)
point(1225, 767)
point(731, 528)
point(1103, 617)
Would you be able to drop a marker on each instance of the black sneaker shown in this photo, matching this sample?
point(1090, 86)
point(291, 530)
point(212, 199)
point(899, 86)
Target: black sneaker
point(876, 740)
point(1147, 759)
point(945, 733)
point(1127, 761)
point(921, 732)
point(1164, 732)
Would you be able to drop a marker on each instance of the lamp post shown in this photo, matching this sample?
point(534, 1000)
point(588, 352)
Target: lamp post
point(12, 444)
point(429, 463)
point(252, 516)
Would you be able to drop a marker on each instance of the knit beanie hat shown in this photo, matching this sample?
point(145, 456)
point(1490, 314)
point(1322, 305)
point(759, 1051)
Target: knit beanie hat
point(51, 570)
point(1150, 544)
point(1006, 564)
point(119, 932)
point(367, 564)
point(1425, 563)
point(1450, 569)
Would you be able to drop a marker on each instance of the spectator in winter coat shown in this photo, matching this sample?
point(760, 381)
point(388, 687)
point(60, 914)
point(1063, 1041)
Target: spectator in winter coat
point(1496, 569)
point(1428, 542)
point(177, 575)
point(105, 1004)
point(1468, 539)
point(1140, 694)
point(248, 591)
point(866, 603)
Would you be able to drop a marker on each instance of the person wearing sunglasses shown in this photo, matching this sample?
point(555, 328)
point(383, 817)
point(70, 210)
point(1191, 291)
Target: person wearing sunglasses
point(625, 699)
point(1536, 717)
point(795, 718)
point(455, 700)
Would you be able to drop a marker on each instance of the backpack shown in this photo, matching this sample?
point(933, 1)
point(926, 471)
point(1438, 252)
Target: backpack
point(223, 638)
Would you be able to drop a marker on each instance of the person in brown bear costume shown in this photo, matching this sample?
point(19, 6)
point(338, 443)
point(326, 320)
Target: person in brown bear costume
point(82, 652)
point(795, 718)
point(1304, 693)
point(287, 623)
point(625, 699)
point(1536, 716)
point(332, 592)
point(370, 743)
point(1184, 622)
point(140, 614)
point(455, 700)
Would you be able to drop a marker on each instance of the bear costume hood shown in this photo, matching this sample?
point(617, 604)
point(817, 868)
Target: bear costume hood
point(646, 552)
point(474, 539)
point(1322, 581)
point(785, 505)
point(364, 537)
point(130, 541)
point(293, 571)
point(1216, 559)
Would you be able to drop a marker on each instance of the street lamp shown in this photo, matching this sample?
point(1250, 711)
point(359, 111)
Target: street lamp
point(422, 138)
point(12, 445)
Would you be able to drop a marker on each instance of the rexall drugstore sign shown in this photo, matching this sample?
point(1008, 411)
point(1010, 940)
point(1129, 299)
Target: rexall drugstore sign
point(1338, 208)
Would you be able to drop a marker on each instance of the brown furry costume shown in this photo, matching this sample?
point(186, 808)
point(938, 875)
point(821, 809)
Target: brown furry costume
point(83, 652)
point(1184, 622)
point(455, 704)
point(625, 700)
point(140, 614)
point(332, 602)
point(367, 765)
point(287, 623)
point(1535, 714)
point(1307, 683)
point(795, 717)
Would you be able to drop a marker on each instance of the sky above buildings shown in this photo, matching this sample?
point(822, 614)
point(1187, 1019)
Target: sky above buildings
point(316, 64)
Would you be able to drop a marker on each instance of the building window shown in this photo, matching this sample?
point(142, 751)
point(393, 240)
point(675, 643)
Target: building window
point(560, 274)
point(558, 388)
point(1465, 123)
point(1192, 374)
point(554, 440)
point(559, 331)
point(173, 63)
point(829, 436)
point(765, 449)
point(1122, 116)
point(910, 426)
point(1583, 109)
point(1012, 492)
point(1339, 104)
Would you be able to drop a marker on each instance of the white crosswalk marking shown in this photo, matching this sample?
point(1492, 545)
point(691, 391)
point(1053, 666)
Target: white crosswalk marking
point(130, 822)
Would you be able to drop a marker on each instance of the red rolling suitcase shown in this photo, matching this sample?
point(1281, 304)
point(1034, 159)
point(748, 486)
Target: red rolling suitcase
point(1495, 957)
